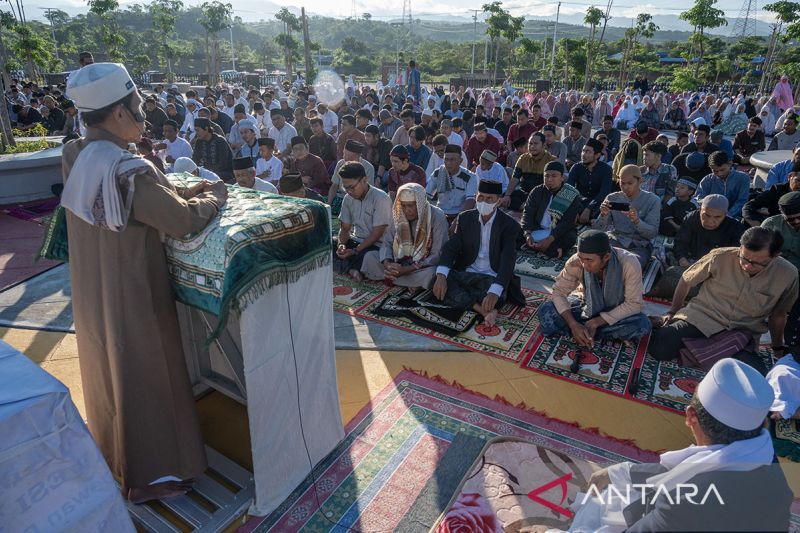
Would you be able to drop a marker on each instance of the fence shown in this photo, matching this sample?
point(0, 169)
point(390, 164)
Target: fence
point(242, 78)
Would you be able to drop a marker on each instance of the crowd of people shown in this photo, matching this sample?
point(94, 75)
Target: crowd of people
point(441, 190)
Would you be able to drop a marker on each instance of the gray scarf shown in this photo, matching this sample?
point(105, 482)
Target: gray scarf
point(610, 295)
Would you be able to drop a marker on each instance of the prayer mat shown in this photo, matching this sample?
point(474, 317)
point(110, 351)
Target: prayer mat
point(407, 451)
point(423, 310)
point(538, 265)
point(34, 211)
point(786, 438)
point(349, 295)
point(21, 240)
point(508, 339)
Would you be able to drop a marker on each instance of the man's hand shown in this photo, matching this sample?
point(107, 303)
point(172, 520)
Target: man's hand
point(342, 252)
point(489, 301)
point(592, 326)
point(440, 287)
point(585, 216)
point(634, 216)
point(605, 209)
point(659, 321)
point(580, 334)
point(544, 244)
point(219, 189)
point(197, 188)
point(600, 479)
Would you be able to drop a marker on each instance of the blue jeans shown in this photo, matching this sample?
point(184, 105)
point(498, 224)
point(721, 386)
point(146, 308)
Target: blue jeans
point(629, 328)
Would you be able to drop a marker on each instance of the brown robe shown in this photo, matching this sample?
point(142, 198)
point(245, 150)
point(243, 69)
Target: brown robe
point(139, 401)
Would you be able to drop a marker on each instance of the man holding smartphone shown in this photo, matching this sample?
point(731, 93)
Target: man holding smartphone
point(631, 216)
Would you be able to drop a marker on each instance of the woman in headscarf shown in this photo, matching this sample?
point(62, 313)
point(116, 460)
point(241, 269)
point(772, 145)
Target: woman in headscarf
point(661, 104)
point(735, 123)
point(720, 114)
point(547, 111)
point(617, 106)
point(602, 109)
point(627, 116)
point(586, 105)
point(412, 243)
point(650, 116)
point(573, 101)
point(630, 153)
point(749, 108)
point(637, 104)
point(783, 94)
point(767, 121)
point(468, 102)
point(675, 118)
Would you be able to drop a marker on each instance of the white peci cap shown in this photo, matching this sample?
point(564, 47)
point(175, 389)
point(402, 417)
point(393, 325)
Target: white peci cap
point(736, 394)
point(184, 164)
point(98, 85)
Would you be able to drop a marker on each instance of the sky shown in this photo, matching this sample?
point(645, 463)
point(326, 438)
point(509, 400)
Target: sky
point(253, 10)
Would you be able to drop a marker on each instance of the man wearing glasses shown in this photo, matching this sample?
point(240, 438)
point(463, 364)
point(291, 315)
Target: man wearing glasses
point(750, 289)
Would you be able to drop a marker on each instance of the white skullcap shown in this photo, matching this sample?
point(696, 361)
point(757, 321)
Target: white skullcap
point(736, 394)
point(98, 85)
point(427, 112)
point(248, 124)
point(699, 121)
point(184, 164)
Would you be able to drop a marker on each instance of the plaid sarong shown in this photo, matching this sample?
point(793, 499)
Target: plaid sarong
point(703, 353)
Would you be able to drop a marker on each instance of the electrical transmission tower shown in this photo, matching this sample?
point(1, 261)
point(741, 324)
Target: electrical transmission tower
point(745, 25)
point(407, 13)
point(353, 11)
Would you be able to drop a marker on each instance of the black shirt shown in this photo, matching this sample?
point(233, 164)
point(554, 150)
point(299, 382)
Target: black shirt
point(766, 200)
point(594, 185)
point(693, 241)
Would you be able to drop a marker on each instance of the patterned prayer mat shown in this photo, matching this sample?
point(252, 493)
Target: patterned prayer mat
point(349, 295)
point(36, 210)
point(508, 339)
point(621, 369)
point(786, 438)
point(538, 265)
point(407, 451)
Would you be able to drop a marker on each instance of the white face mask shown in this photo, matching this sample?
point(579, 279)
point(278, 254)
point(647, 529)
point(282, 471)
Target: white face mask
point(485, 208)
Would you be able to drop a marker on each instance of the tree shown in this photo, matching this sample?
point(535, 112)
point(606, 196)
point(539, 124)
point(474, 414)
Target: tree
point(366, 16)
point(286, 39)
point(108, 30)
point(500, 24)
point(215, 17)
point(353, 56)
point(703, 15)
point(592, 18)
point(786, 14)
point(6, 137)
point(164, 14)
point(644, 27)
point(33, 48)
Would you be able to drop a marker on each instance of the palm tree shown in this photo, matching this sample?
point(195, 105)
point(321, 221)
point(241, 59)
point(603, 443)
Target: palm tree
point(592, 18)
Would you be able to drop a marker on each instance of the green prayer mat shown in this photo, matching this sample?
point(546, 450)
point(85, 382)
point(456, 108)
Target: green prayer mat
point(786, 438)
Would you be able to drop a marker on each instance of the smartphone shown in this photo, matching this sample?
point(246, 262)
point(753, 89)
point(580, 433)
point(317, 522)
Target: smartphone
point(620, 206)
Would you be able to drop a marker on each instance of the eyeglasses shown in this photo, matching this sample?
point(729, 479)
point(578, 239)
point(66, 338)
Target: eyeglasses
point(746, 261)
point(353, 186)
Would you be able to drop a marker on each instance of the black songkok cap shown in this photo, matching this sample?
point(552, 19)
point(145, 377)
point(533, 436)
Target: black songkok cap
point(789, 203)
point(705, 128)
point(519, 141)
point(242, 163)
point(594, 242)
point(595, 145)
point(452, 149)
point(239, 108)
point(354, 146)
point(267, 141)
point(291, 183)
point(275, 112)
point(201, 122)
point(490, 187)
point(298, 139)
point(373, 129)
point(556, 165)
point(352, 170)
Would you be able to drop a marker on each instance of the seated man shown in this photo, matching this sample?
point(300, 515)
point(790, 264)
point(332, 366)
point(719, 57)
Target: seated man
point(789, 137)
point(310, 167)
point(642, 133)
point(528, 172)
point(212, 151)
point(779, 173)
point(704, 230)
point(549, 215)
point(403, 171)
point(701, 141)
point(245, 174)
point(742, 289)
point(765, 205)
point(788, 225)
point(592, 179)
point(367, 211)
point(718, 138)
point(555, 147)
point(657, 177)
point(733, 457)
point(453, 185)
point(598, 295)
point(185, 164)
point(292, 185)
point(574, 143)
point(490, 170)
point(674, 210)
point(353, 151)
point(748, 141)
point(413, 242)
point(476, 267)
point(733, 184)
point(631, 216)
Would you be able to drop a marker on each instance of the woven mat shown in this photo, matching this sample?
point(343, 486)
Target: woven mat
point(407, 451)
point(538, 265)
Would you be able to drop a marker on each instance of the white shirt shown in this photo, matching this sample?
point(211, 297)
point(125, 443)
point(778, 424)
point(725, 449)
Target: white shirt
point(228, 111)
point(455, 138)
point(785, 380)
point(274, 104)
point(188, 123)
point(264, 186)
point(436, 161)
point(179, 148)
point(482, 265)
point(207, 174)
point(242, 100)
point(496, 173)
point(330, 121)
point(272, 166)
point(283, 136)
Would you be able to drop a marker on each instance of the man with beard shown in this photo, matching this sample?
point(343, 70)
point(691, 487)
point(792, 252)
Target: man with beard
point(592, 179)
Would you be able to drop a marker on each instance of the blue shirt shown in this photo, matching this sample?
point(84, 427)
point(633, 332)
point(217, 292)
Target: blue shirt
point(736, 188)
point(449, 114)
point(726, 146)
point(779, 173)
point(420, 157)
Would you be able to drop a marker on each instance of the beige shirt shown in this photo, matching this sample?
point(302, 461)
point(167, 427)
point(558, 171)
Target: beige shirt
point(570, 281)
point(364, 215)
point(731, 299)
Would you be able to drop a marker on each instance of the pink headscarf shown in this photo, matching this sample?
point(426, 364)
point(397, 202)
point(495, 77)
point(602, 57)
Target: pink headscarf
point(783, 94)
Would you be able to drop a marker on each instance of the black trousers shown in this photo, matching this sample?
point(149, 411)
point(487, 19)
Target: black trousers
point(665, 342)
point(343, 266)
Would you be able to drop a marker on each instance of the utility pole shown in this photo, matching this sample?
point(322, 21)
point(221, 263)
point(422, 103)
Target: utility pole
point(474, 39)
point(47, 11)
point(233, 52)
point(485, 54)
point(307, 43)
point(553, 53)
